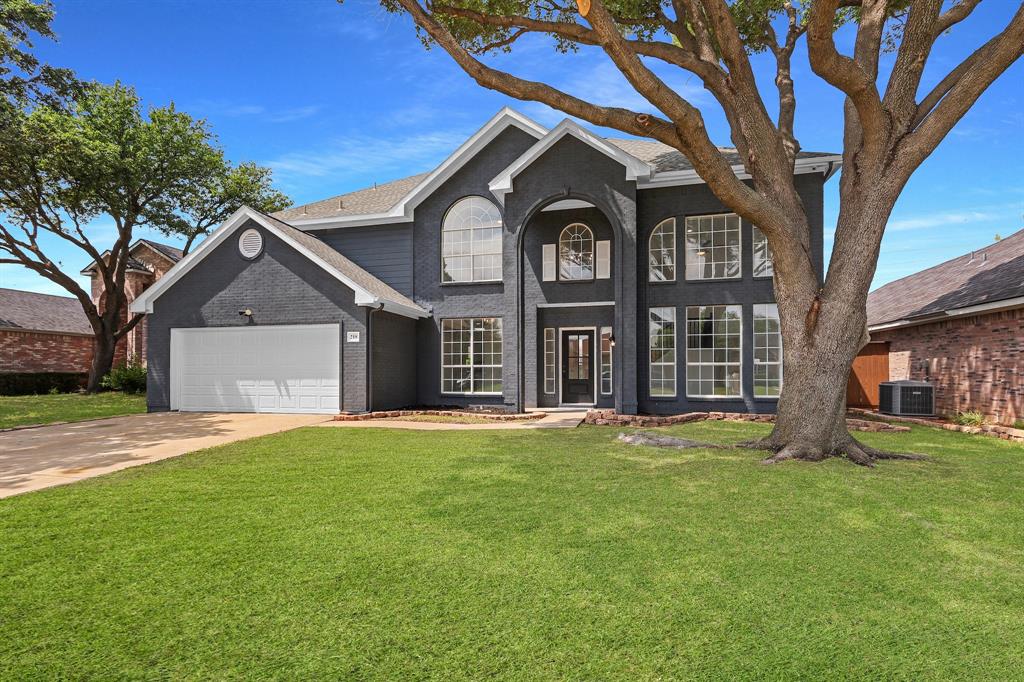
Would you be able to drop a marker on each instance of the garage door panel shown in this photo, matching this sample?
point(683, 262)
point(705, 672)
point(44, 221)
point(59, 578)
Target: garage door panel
point(257, 369)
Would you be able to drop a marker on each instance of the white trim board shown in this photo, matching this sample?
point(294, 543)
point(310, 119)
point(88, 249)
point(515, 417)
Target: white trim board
point(636, 170)
point(363, 297)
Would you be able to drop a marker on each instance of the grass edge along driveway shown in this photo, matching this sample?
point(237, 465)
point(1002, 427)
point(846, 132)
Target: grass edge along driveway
point(385, 554)
point(37, 410)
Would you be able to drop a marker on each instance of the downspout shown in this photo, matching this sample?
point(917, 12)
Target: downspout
point(369, 355)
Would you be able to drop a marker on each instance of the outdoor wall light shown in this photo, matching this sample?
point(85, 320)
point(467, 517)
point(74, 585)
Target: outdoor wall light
point(247, 312)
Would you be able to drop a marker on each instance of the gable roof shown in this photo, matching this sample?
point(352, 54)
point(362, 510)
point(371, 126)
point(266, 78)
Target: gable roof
point(654, 164)
point(369, 291)
point(419, 186)
point(28, 310)
point(636, 169)
point(992, 277)
point(170, 253)
point(666, 159)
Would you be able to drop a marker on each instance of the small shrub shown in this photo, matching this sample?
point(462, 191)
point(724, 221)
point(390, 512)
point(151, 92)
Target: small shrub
point(1019, 424)
point(969, 418)
point(129, 377)
point(41, 383)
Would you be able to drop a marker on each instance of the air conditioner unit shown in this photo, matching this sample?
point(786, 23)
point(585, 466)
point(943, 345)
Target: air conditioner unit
point(908, 398)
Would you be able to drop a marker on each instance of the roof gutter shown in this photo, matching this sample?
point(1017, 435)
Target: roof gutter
point(981, 308)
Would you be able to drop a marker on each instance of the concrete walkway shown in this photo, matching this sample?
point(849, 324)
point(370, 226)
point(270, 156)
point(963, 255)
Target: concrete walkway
point(554, 420)
point(31, 459)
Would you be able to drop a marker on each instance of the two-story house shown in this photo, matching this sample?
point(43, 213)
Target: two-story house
point(533, 268)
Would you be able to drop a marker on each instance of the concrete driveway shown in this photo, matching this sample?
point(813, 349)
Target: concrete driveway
point(31, 459)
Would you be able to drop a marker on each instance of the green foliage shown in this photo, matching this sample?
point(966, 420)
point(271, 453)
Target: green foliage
point(129, 377)
point(23, 78)
point(66, 407)
point(379, 554)
point(969, 418)
point(36, 383)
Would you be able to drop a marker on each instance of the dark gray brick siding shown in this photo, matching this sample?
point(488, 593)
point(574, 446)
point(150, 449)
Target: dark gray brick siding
point(459, 300)
point(383, 250)
point(689, 200)
point(571, 169)
point(393, 361)
point(280, 285)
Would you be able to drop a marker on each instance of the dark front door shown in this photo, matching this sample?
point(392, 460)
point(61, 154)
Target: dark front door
point(578, 367)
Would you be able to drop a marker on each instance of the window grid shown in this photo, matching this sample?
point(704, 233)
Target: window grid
point(606, 360)
point(662, 334)
point(576, 253)
point(713, 351)
point(662, 252)
point(550, 354)
point(767, 351)
point(471, 242)
point(713, 247)
point(471, 355)
point(763, 266)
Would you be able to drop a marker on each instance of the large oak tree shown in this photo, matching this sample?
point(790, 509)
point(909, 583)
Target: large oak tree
point(891, 124)
point(102, 157)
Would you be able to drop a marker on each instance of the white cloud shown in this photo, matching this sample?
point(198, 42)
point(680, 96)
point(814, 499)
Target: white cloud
point(352, 156)
point(939, 219)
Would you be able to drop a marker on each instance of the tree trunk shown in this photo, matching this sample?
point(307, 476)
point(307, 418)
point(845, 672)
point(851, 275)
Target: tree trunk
point(102, 360)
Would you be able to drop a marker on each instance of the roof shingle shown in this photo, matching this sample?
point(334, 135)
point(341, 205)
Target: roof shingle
point(42, 312)
point(994, 273)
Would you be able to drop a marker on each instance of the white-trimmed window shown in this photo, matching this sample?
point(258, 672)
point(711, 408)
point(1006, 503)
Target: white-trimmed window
point(763, 266)
point(550, 360)
point(576, 253)
point(471, 242)
point(471, 355)
point(663, 352)
point(662, 252)
point(607, 343)
point(713, 247)
point(767, 351)
point(714, 340)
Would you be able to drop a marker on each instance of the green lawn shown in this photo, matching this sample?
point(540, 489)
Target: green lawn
point(384, 554)
point(24, 410)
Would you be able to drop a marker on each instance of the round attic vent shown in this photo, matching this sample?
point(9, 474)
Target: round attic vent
point(250, 243)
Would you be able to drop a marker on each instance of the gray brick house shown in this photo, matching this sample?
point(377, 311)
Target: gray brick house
point(533, 268)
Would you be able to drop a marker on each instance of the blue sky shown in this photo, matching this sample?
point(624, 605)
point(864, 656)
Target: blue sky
point(335, 98)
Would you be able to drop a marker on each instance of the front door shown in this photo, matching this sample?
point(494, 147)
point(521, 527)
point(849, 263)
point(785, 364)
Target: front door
point(577, 367)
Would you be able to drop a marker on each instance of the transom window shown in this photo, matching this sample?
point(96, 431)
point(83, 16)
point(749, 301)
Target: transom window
point(713, 247)
point(713, 350)
point(662, 258)
point(662, 340)
point(471, 242)
point(767, 351)
point(576, 253)
point(763, 266)
point(471, 355)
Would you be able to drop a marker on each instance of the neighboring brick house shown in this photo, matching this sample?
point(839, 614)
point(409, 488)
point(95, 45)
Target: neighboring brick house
point(148, 261)
point(43, 333)
point(960, 325)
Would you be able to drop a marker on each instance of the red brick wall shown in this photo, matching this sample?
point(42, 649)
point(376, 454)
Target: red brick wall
point(22, 351)
point(975, 363)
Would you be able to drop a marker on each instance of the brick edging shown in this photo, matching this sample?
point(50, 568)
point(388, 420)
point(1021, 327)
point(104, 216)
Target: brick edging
point(391, 414)
point(990, 430)
point(612, 418)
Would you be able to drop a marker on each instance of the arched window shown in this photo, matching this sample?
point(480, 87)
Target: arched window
point(662, 258)
point(576, 252)
point(471, 242)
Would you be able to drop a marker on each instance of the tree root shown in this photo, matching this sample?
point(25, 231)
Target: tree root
point(852, 449)
point(659, 441)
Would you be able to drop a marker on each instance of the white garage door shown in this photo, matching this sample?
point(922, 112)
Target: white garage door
point(291, 368)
